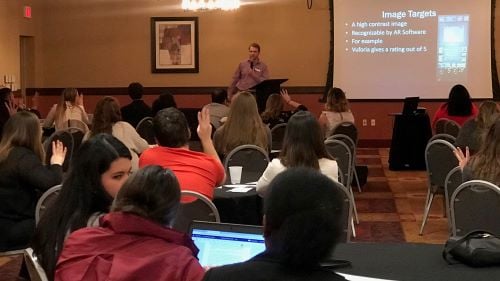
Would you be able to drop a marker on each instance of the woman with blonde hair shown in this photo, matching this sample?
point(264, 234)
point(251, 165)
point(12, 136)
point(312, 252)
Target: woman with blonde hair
point(474, 130)
point(336, 111)
point(70, 107)
point(23, 177)
point(243, 126)
point(108, 119)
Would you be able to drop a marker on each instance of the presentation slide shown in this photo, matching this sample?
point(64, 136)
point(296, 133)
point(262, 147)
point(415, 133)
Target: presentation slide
point(391, 49)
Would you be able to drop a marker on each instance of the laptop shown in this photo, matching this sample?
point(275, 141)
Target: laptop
point(223, 243)
point(410, 105)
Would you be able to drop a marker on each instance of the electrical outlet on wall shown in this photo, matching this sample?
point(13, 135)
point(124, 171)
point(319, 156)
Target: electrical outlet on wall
point(365, 122)
point(372, 122)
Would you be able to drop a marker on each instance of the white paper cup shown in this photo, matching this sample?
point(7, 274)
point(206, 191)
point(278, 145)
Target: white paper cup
point(235, 173)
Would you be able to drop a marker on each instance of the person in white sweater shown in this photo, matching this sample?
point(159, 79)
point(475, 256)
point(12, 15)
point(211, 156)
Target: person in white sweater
point(107, 119)
point(302, 147)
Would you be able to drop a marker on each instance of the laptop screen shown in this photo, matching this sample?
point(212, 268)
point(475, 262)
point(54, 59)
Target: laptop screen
point(222, 244)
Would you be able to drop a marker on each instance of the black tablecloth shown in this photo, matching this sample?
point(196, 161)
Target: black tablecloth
point(240, 208)
point(407, 261)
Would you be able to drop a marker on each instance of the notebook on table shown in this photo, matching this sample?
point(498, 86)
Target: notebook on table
point(222, 243)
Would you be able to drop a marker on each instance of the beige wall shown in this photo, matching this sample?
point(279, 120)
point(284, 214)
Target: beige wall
point(107, 43)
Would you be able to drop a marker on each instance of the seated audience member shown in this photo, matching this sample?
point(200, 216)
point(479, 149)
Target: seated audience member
point(97, 171)
point(135, 241)
point(485, 164)
point(195, 171)
point(301, 228)
point(23, 178)
point(336, 111)
point(70, 107)
point(243, 126)
point(165, 100)
point(300, 150)
point(274, 113)
point(474, 130)
point(137, 110)
point(458, 108)
point(107, 119)
point(7, 106)
point(218, 108)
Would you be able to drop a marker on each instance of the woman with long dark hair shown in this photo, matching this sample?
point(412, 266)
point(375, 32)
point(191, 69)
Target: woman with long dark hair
point(300, 149)
point(458, 108)
point(108, 119)
point(96, 174)
point(23, 177)
point(274, 113)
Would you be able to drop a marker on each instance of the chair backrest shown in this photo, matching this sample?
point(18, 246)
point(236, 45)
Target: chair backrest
point(475, 205)
point(67, 139)
point(452, 182)
point(346, 209)
point(78, 135)
point(252, 158)
point(348, 141)
point(145, 129)
point(75, 123)
point(449, 138)
point(347, 128)
point(447, 126)
point(342, 154)
point(439, 160)
point(47, 199)
point(277, 136)
point(34, 268)
point(202, 209)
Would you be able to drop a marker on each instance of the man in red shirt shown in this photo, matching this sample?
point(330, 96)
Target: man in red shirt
point(195, 171)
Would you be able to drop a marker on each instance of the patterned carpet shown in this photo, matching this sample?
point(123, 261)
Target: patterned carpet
point(391, 205)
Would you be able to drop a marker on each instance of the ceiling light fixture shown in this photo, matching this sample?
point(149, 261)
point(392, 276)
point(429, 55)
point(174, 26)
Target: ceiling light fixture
point(225, 5)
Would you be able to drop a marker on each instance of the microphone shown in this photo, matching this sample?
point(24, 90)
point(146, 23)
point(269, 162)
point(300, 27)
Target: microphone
point(251, 65)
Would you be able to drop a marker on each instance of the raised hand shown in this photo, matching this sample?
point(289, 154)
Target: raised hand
point(462, 159)
point(58, 153)
point(204, 129)
point(285, 96)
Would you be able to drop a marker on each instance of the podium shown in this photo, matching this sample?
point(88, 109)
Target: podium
point(410, 135)
point(266, 88)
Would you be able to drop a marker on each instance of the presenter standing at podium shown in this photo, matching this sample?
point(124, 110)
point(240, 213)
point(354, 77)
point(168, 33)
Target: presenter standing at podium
point(249, 72)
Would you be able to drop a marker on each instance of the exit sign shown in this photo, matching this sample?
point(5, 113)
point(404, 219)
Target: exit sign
point(27, 12)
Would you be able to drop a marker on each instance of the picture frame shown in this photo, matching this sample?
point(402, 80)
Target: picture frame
point(174, 45)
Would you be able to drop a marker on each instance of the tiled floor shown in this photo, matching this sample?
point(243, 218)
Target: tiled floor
point(392, 202)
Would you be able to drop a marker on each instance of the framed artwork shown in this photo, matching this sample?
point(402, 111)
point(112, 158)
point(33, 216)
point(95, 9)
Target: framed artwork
point(174, 45)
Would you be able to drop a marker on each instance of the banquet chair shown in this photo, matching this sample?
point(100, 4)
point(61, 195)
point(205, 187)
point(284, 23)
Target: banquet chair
point(447, 126)
point(346, 128)
point(342, 154)
point(35, 270)
point(449, 138)
point(75, 123)
point(47, 199)
point(475, 205)
point(67, 139)
point(439, 161)
point(277, 136)
point(346, 218)
point(452, 181)
point(352, 147)
point(145, 129)
point(252, 158)
point(201, 209)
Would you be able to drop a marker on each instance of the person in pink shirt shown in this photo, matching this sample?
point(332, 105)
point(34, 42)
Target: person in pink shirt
point(458, 108)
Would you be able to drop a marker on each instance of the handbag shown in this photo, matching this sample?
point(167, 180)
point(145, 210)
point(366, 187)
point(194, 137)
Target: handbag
point(477, 249)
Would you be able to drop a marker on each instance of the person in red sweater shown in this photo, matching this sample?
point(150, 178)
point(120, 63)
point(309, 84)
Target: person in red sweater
point(459, 107)
point(134, 241)
point(196, 171)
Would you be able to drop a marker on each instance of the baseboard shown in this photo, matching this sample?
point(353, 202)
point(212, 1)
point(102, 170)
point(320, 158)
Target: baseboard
point(374, 143)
